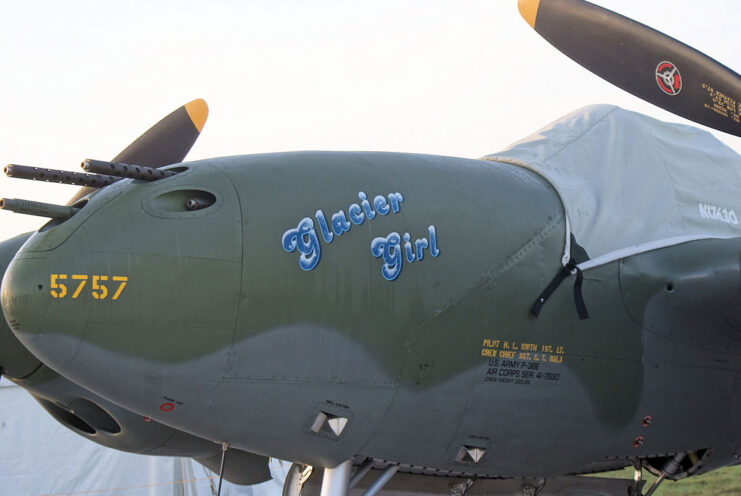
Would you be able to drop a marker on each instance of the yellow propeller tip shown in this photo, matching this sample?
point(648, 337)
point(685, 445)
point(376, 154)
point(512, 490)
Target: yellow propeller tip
point(198, 112)
point(529, 10)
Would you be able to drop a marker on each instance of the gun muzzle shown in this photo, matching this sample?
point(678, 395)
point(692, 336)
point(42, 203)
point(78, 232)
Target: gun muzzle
point(39, 209)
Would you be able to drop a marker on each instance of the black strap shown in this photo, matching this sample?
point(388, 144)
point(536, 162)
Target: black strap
point(581, 307)
point(560, 276)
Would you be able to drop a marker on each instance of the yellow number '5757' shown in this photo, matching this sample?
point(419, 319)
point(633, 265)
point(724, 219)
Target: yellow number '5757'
point(98, 287)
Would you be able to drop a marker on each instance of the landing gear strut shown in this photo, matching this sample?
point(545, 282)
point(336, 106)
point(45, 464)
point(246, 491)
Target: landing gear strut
point(336, 480)
point(671, 467)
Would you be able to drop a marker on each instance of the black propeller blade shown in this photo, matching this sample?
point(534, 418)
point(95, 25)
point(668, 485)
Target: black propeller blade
point(641, 60)
point(167, 142)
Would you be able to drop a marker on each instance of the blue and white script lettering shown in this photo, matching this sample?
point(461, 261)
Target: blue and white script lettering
point(389, 249)
point(304, 237)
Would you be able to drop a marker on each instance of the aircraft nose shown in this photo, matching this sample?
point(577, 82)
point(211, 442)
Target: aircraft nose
point(15, 360)
point(43, 300)
point(22, 307)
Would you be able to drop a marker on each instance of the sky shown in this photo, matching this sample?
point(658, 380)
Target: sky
point(82, 79)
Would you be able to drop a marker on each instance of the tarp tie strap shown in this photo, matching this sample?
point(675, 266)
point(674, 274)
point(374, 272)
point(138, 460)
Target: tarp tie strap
point(566, 270)
point(224, 447)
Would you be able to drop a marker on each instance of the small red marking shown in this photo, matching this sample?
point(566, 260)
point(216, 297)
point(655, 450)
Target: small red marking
point(167, 407)
point(638, 442)
point(668, 78)
point(147, 419)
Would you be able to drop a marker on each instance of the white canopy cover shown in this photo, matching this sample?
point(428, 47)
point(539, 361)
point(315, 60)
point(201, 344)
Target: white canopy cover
point(630, 183)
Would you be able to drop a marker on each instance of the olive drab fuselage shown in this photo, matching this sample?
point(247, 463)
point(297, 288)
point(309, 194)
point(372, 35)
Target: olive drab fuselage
point(392, 291)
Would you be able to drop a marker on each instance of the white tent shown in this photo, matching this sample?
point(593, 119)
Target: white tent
point(40, 457)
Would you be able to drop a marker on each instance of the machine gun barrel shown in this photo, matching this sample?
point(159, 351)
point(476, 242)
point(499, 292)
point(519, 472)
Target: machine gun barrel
point(40, 209)
point(198, 202)
point(119, 169)
point(59, 176)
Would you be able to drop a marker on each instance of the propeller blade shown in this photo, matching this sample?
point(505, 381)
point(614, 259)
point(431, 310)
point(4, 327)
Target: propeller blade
point(641, 60)
point(168, 141)
point(165, 143)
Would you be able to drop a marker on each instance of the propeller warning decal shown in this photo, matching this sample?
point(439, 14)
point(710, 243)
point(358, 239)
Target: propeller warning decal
point(722, 104)
point(668, 78)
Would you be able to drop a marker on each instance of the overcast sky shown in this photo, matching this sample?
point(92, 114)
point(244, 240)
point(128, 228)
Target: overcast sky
point(466, 78)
